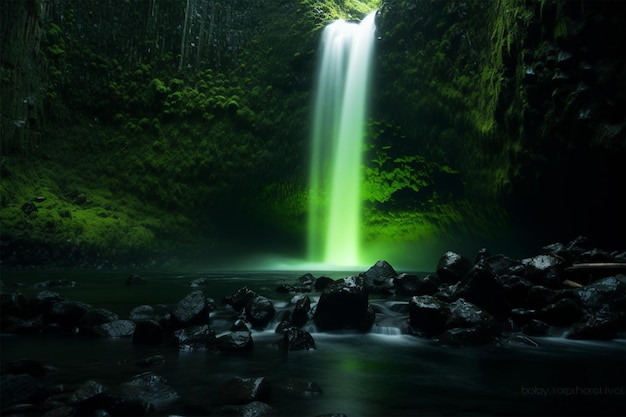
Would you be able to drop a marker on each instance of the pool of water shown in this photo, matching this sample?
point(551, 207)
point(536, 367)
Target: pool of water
point(380, 373)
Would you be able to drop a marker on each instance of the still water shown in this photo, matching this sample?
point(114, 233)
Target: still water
point(380, 373)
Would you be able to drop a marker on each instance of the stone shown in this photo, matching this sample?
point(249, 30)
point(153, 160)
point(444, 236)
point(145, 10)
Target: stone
point(296, 339)
point(20, 389)
point(42, 302)
point(239, 326)
point(85, 391)
point(240, 299)
point(116, 328)
point(197, 337)
point(536, 328)
point(67, 313)
point(515, 289)
point(300, 314)
point(252, 409)
point(539, 296)
point(410, 284)
point(480, 287)
point(500, 264)
point(564, 312)
point(245, 390)
point(610, 291)
point(194, 308)
point(428, 314)
point(14, 304)
point(150, 389)
point(465, 314)
point(545, 270)
point(344, 305)
point(322, 282)
point(452, 267)
point(235, 342)
point(379, 277)
point(135, 279)
point(259, 312)
point(143, 312)
point(599, 325)
point(97, 316)
point(148, 332)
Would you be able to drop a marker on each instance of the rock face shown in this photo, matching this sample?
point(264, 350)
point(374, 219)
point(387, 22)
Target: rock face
point(344, 305)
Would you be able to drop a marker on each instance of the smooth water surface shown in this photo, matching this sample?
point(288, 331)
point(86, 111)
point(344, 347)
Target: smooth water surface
point(380, 373)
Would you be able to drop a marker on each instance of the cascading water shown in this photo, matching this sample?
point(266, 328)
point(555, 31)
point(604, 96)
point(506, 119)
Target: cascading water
point(338, 131)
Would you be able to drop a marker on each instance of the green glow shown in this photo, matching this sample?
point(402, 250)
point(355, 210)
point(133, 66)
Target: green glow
point(335, 200)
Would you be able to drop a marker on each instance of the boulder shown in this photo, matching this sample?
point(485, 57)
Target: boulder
point(536, 328)
point(564, 312)
point(296, 339)
point(480, 287)
point(259, 312)
point(300, 314)
point(197, 337)
point(610, 291)
point(501, 264)
point(235, 342)
point(410, 284)
point(97, 316)
point(380, 278)
point(67, 313)
point(322, 282)
point(452, 267)
point(117, 328)
point(515, 289)
point(252, 409)
point(42, 302)
point(150, 389)
point(20, 389)
point(17, 325)
point(245, 390)
point(148, 332)
point(539, 296)
point(344, 305)
point(522, 316)
point(14, 304)
point(428, 314)
point(194, 308)
point(599, 325)
point(143, 312)
point(85, 391)
point(240, 299)
point(544, 270)
point(466, 314)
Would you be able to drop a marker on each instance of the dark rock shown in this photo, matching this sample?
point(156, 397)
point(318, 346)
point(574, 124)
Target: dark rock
point(610, 291)
point(428, 314)
point(298, 388)
point(199, 282)
point(522, 316)
point(562, 313)
point(500, 264)
point(482, 254)
point(344, 305)
point(148, 332)
point(252, 409)
point(322, 282)
point(117, 328)
point(300, 314)
point(194, 338)
point(306, 280)
point(85, 391)
point(42, 302)
point(539, 296)
point(286, 288)
point(259, 312)
point(296, 339)
point(150, 389)
point(410, 284)
point(67, 313)
point(194, 308)
point(26, 366)
point(240, 299)
point(595, 255)
point(14, 304)
point(239, 326)
point(20, 389)
point(245, 390)
point(466, 314)
point(235, 342)
point(452, 267)
point(516, 290)
point(379, 278)
point(544, 270)
point(97, 316)
point(536, 328)
point(480, 287)
point(143, 312)
point(599, 325)
point(16, 325)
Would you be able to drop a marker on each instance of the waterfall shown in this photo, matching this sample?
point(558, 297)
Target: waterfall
point(338, 129)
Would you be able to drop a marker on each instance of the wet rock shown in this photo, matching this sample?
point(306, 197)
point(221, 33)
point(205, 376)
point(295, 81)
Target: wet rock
point(296, 339)
point(300, 314)
point(239, 326)
point(501, 264)
point(67, 313)
point(194, 308)
point(85, 391)
point(152, 390)
point(97, 316)
point(17, 325)
point(595, 256)
point(322, 282)
point(196, 337)
point(42, 302)
point(143, 312)
point(428, 314)
point(240, 299)
point(599, 325)
point(235, 342)
point(380, 278)
point(344, 305)
point(116, 328)
point(610, 291)
point(539, 296)
point(482, 254)
point(564, 312)
point(26, 366)
point(480, 287)
point(20, 389)
point(148, 332)
point(252, 409)
point(452, 267)
point(465, 314)
point(245, 390)
point(306, 280)
point(522, 316)
point(410, 284)
point(259, 312)
point(516, 290)
point(544, 270)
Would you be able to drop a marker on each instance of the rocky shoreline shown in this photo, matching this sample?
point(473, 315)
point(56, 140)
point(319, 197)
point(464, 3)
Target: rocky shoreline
point(567, 290)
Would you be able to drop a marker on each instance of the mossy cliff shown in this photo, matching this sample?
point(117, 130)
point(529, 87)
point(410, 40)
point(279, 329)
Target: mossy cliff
point(150, 130)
